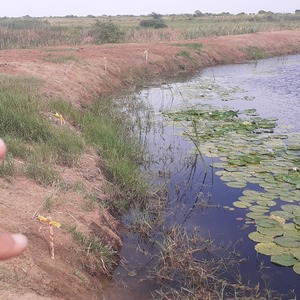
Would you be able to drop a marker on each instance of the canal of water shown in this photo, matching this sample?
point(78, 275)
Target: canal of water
point(196, 196)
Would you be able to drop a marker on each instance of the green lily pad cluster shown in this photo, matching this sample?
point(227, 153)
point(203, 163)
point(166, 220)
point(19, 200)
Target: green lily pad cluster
point(251, 153)
point(210, 90)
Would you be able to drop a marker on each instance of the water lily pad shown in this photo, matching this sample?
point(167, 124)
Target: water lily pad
point(296, 268)
point(291, 208)
point(240, 204)
point(283, 163)
point(258, 208)
point(251, 193)
point(267, 222)
point(269, 248)
point(288, 226)
point(294, 179)
point(296, 253)
point(293, 233)
point(258, 237)
point(297, 220)
point(252, 180)
point(271, 203)
point(246, 199)
point(220, 165)
point(283, 214)
point(255, 215)
point(286, 241)
point(285, 260)
point(272, 232)
point(236, 184)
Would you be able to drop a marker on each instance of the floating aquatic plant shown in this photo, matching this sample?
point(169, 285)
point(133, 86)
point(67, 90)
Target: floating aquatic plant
point(251, 153)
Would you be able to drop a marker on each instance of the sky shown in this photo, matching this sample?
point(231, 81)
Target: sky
point(41, 8)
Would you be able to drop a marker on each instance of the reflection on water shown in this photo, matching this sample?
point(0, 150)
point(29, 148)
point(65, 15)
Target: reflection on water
point(196, 197)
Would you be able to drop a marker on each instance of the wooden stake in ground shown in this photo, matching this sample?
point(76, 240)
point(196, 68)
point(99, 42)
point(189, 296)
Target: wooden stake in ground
point(51, 232)
point(51, 238)
point(60, 117)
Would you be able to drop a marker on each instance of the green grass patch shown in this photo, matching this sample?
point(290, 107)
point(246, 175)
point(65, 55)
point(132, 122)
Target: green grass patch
point(30, 136)
point(105, 128)
point(16, 148)
point(42, 173)
point(42, 146)
point(184, 54)
point(100, 257)
point(7, 166)
point(20, 110)
point(255, 53)
point(67, 147)
point(191, 46)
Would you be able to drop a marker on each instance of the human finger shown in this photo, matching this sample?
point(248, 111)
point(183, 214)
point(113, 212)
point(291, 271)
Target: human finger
point(12, 245)
point(2, 148)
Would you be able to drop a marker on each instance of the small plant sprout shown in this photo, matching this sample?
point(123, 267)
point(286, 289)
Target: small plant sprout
point(51, 233)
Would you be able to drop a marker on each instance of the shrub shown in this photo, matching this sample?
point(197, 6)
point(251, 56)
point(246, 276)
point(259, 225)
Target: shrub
point(154, 23)
point(106, 32)
point(160, 25)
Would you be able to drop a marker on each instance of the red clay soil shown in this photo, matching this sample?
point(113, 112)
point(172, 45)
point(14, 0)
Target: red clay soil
point(79, 75)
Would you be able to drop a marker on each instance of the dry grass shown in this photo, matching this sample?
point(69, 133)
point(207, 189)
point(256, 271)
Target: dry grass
point(71, 30)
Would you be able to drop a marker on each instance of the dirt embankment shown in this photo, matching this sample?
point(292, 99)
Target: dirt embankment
point(78, 75)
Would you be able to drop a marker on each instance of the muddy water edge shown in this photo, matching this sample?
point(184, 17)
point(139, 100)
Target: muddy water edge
point(188, 186)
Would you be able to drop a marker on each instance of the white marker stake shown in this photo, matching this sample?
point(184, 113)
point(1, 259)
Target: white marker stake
point(146, 56)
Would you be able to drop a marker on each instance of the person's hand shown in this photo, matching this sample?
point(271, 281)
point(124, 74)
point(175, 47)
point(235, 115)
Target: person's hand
point(10, 244)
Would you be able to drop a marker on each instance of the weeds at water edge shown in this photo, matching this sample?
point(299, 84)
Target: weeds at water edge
point(99, 258)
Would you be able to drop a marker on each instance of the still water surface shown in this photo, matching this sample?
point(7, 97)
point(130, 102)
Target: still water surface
point(272, 87)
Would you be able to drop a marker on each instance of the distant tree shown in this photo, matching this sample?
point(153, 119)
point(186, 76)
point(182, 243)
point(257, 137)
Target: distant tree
point(262, 12)
point(153, 23)
point(225, 13)
point(297, 11)
point(198, 13)
point(156, 21)
point(155, 16)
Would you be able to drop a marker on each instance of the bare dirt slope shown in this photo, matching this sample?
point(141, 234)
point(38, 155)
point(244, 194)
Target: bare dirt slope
point(79, 75)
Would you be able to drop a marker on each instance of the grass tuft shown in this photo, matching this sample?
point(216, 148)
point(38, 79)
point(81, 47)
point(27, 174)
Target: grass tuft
point(7, 166)
point(100, 258)
point(42, 173)
point(255, 53)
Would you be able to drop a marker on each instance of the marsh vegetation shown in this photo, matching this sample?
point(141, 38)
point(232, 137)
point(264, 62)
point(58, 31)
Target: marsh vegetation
point(28, 32)
point(45, 135)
